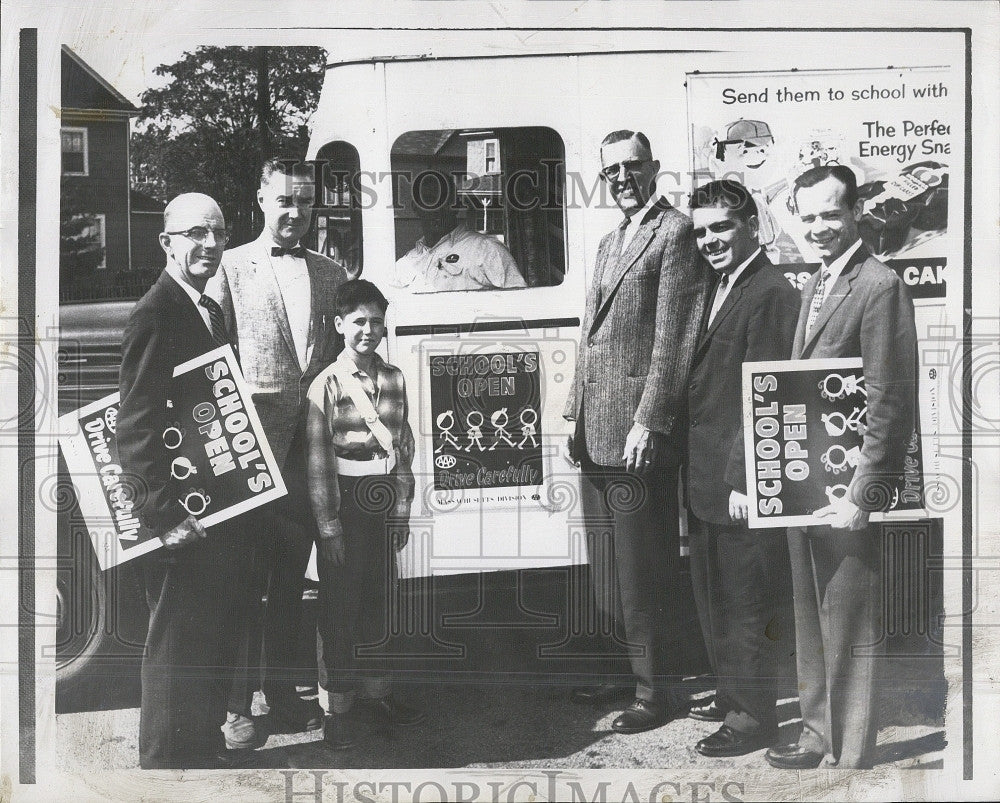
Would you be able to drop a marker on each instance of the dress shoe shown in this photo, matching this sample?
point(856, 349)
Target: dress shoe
point(240, 732)
point(595, 695)
point(642, 716)
point(793, 757)
point(707, 712)
point(726, 742)
point(295, 715)
point(389, 711)
point(338, 733)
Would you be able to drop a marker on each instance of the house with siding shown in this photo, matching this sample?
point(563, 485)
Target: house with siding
point(95, 209)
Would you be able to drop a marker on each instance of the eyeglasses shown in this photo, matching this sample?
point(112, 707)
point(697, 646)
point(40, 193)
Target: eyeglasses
point(611, 172)
point(200, 234)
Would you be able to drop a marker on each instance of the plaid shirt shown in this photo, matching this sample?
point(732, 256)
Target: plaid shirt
point(335, 428)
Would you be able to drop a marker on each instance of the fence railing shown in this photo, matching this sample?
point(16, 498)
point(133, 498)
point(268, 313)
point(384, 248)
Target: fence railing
point(113, 287)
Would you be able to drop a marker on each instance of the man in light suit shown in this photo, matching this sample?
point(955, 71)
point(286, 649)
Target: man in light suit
point(854, 306)
point(639, 331)
point(740, 576)
point(279, 299)
point(196, 585)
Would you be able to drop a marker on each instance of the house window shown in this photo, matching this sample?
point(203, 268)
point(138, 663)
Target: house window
point(74, 152)
point(93, 233)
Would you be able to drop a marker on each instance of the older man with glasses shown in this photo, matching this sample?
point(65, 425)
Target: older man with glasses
point(643, 311)
point(196, 586)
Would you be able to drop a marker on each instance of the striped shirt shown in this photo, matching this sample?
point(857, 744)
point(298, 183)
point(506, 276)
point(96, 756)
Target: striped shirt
point(335, 428)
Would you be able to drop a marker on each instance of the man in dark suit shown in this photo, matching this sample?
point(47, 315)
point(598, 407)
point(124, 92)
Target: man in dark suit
point(196, 586)
point(279, 298)
point(854, 306)
point(738, 574)
point(639, 331)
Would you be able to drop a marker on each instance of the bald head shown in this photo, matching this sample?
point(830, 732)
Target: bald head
point(194, 236)
point(188, 204)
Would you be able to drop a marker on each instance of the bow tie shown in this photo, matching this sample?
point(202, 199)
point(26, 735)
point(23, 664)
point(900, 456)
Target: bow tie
point(294, 251)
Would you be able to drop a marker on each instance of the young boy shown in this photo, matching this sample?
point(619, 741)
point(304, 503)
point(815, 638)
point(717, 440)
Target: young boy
point(360, 451)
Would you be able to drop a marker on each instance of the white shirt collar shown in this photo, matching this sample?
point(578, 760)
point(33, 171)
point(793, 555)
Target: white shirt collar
point(837, 266)
point(177, 276)
point(346, 357)
point(735, 274)
point(632, 226)
point(639, 216)
point(266, 243)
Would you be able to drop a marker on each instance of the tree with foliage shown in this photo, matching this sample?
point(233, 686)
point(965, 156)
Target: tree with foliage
point(224, 111)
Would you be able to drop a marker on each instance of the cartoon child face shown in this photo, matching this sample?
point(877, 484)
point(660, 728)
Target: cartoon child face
point(752, 156)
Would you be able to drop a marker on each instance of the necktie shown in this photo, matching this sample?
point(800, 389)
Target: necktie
point(294, 251)
point(622, 233)
point(219, 334)
point(720, 295)
point(614, 251)
point(819, 295)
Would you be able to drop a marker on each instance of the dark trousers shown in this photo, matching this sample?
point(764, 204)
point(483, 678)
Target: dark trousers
point(354, 597)
point(285, 532)
point(197, 598)
point(634, 553)
point(739, 578)
point(838, 634)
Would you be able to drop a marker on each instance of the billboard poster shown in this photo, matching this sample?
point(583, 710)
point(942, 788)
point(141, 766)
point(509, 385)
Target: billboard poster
point(803, 427)
point(221, 463)
point(486, 420)
point(891, 126)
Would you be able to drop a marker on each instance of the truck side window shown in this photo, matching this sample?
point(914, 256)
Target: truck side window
point(479, 209)
point(337, 229)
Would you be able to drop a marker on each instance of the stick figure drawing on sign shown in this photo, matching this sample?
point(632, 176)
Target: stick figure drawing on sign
point(499, 420)
point(445, 422)
point(529, 417)
point(474, 420)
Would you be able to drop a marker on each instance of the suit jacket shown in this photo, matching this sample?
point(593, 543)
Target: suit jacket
point(248, 293)
point(755, 322)
point(868, 314)
point(639, 331)
point(164, 330)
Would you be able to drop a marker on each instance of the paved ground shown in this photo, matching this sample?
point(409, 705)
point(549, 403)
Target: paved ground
point(509, 726)
point(495, 719)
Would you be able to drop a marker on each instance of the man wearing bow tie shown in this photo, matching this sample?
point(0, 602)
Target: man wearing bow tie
point(279, 297)
point(740, 576)
point(644, 307)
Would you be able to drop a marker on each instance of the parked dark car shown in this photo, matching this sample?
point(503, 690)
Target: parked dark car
point(101, 616)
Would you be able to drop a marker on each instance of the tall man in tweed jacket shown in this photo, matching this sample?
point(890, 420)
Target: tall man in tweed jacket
point(639, 332)
point(279, 297)
point(854, 306)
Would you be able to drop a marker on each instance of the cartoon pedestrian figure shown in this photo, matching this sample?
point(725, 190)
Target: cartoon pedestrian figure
point(499, 420)
point(446, 436)
point(474, 420)
point(529, 417)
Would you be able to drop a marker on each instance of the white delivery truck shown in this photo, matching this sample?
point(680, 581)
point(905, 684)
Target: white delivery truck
point(511, 142)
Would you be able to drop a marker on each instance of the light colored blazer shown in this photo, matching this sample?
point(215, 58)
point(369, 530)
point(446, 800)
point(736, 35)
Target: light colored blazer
point(869, 314)
point(248, 293)
point(639, 333)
